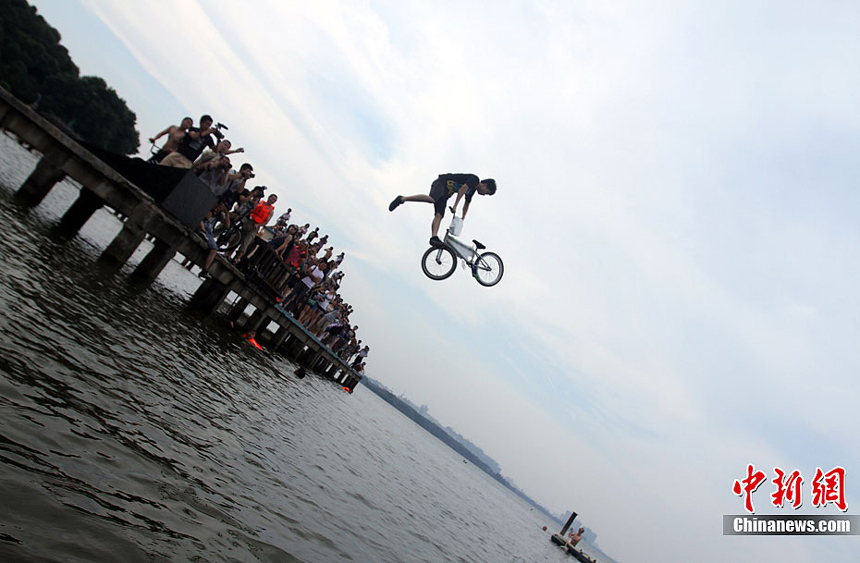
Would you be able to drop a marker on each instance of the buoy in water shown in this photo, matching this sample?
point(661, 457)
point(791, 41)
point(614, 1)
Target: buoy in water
point(250, 337)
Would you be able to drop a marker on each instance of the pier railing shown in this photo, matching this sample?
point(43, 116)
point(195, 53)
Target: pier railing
point(164, 215)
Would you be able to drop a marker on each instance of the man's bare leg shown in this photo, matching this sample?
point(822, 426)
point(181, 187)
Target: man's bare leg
point(434, 227)
point(424, 198)
point(401, 199)
point(419, 197)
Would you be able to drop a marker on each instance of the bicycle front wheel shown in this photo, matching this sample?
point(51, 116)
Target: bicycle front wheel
point(488, 269)
point(438, 263)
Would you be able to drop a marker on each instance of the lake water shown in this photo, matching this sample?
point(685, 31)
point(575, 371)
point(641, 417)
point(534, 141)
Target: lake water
point(132, 429)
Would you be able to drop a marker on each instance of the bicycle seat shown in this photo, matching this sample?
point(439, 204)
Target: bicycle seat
point(479, 245)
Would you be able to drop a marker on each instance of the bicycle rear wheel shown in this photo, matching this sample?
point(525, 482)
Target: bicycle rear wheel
point(488, 269)
point(438, 263)
point(227, 238)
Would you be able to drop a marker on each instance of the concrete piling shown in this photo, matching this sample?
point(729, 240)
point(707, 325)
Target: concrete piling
point(209, 295)
point(129, 238)
point(47, 173)
point(80, 212)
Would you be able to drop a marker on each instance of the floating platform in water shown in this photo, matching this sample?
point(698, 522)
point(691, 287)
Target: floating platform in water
point(559, 540)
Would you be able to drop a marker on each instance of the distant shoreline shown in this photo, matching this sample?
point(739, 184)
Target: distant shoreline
point(443, 436)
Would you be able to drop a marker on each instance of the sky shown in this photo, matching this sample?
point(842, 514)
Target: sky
point(676, 210)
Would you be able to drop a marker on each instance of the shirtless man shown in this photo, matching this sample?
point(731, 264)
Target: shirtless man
point(175, 134)
point(192, 145)
point(573, 538)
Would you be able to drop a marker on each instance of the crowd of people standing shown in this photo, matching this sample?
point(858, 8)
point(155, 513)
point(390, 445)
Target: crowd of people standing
point(309, 290)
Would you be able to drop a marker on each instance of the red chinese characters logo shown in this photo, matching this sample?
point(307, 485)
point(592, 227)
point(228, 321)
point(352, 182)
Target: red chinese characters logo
point(826, 487)
point(748, 485)
point(787, 489)
point(829, 487)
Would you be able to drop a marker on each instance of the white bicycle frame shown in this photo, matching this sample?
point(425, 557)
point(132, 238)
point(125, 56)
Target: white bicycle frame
point(466, 252)
point(487, 267)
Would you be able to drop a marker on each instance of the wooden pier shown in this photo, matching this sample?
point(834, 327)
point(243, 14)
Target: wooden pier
point(164, 212)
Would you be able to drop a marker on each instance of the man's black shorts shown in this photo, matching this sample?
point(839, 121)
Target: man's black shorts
point(439, 193)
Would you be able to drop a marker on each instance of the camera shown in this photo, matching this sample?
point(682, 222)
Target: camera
point(217, 132)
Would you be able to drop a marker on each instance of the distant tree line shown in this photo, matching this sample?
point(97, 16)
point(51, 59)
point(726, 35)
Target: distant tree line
point(38, 70)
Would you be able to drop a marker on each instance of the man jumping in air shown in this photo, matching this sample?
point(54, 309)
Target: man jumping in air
point(442, 188)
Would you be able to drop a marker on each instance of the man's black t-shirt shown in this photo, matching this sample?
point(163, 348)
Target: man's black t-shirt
point(191, 148)
point(453, 183)
point(230, 197)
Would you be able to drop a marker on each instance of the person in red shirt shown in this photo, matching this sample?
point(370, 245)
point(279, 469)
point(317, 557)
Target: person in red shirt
point(256, 221)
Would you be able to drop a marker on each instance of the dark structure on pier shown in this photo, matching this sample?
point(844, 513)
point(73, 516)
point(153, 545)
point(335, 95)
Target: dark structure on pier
point(163, 204)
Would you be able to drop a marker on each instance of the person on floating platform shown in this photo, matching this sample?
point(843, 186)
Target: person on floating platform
point(442, 188)
point(175, 134)
point(574, 537)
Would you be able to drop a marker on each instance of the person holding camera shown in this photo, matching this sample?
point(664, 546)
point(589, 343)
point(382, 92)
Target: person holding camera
point(234, 183)
point(213, 169)
point(214, 157)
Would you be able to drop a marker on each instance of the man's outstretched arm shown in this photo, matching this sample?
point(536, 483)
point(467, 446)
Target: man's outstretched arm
point(162, 134)
point(460, 193)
